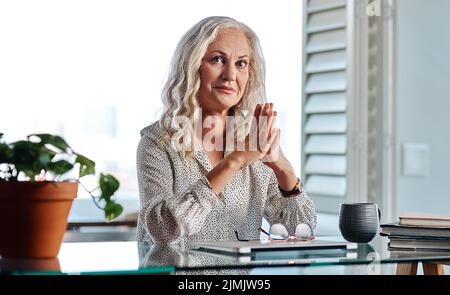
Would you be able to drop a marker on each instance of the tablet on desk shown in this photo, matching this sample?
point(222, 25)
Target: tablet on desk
point(247, 247)
point(283, 257)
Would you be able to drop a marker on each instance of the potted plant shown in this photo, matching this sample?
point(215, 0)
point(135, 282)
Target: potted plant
point(35, 199)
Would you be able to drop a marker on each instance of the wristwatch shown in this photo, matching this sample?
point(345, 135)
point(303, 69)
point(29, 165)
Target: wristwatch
point(298, 189)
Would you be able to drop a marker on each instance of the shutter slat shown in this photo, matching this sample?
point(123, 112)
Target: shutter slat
point(326, 185)
point(322, 5)
point(328, 204)
point(326, 82)
point(332, 165)
point(336, 123)
point(325, 62)
point(328, 20)
point(326, 144)
point(326, 103)
point(326, 41)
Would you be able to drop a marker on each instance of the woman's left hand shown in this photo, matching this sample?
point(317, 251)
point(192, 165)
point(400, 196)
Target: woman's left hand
point(274, 158)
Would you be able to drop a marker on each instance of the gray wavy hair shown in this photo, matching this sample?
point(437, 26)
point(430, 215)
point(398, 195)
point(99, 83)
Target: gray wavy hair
point(179, 94)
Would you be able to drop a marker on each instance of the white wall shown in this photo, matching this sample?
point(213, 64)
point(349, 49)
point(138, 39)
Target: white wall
point(423, 103)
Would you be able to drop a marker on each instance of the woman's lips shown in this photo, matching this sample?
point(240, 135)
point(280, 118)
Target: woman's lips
point(226, 90)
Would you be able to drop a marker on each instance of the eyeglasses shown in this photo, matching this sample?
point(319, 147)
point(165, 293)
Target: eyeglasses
point(278, 232)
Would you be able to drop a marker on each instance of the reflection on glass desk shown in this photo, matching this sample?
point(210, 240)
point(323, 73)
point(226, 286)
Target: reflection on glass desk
point(89, 230)
point(130, 257)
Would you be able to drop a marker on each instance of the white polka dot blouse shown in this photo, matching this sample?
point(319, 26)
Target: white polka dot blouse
point(177, 203)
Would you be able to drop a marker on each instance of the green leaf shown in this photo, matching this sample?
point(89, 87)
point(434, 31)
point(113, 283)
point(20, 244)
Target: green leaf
point(87, 166)
point(26, 158)
point(45, 158)
point(108, 185)
point(60, 167)
point(55, 140)
point(29, 172)
point(112, 210)
point(23, 146)
point(6, 153)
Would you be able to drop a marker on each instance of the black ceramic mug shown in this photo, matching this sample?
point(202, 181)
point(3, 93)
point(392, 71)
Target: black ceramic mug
point(359, 222)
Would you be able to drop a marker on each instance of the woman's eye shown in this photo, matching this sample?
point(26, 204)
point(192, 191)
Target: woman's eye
point(217, 59)
point(242, 64)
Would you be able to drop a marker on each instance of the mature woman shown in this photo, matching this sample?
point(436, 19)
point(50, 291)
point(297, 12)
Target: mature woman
point(201, 175)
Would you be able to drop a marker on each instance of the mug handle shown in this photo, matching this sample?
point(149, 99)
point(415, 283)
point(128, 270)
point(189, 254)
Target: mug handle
point(379, 214)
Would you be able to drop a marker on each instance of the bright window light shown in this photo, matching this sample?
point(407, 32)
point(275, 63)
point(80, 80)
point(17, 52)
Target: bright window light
point(92, 71)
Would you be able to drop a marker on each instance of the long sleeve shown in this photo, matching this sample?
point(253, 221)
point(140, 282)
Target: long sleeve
point(165, 215)
point(291, 210)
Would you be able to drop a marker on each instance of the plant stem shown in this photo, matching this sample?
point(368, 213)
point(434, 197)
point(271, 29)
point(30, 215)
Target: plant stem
point(90, 193)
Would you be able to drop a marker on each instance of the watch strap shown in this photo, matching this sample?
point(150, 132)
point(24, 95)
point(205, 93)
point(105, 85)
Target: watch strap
point(298, 188)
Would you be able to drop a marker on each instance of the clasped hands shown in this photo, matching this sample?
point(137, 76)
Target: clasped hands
point(263, 141)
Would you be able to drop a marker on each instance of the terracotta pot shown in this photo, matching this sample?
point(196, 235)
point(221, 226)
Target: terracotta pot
point(33, 217)
point(14, 265)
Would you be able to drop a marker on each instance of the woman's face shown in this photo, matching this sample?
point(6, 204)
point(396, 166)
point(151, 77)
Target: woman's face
point(224, 71)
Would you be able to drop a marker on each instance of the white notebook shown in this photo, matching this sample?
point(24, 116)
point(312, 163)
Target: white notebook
point(246, 247)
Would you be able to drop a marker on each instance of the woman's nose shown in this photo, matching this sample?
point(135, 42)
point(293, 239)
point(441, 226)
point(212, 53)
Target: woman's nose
point(229, 72)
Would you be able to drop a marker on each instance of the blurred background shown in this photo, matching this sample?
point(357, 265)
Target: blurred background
point(93, 71)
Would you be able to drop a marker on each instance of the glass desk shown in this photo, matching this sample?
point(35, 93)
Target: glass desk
point(130, 257)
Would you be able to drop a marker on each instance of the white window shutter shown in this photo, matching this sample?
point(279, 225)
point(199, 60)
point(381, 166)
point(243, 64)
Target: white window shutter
point(331, 143)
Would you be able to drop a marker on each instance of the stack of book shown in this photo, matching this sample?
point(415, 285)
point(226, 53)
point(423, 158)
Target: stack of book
point(418, 232)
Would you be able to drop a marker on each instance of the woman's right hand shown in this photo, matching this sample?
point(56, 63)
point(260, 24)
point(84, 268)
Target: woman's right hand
point(260, 144)
point(260, 139)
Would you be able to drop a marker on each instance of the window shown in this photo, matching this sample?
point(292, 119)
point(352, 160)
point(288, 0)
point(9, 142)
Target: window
point(336, 102)
point(325, 99)
point(92, 71)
